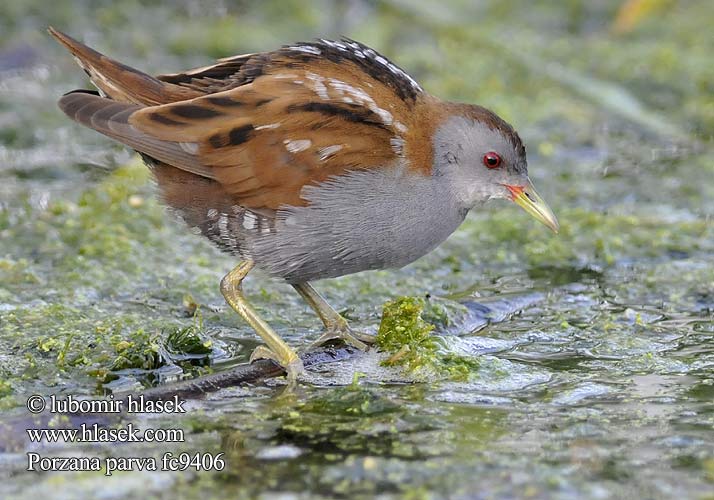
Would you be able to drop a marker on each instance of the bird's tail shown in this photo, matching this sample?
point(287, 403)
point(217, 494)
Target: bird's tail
point(119, 81)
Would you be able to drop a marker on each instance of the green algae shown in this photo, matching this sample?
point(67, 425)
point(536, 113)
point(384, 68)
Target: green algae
point(615, 365)
point(92, 246)
point(141, 352)
point(408, 338)
point(404, 334)
point(188, 340)
point(184, 346)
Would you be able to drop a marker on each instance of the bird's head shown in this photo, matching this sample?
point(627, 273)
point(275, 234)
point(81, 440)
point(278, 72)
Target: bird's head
point(483, 158)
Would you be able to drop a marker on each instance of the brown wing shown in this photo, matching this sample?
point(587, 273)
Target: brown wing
point(301, 120)
point(225, 74)
point(281, 120)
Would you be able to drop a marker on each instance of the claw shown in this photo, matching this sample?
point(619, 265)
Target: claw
point(293, 366)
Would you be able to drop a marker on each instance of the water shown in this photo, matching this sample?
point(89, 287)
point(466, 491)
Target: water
point(601, 388)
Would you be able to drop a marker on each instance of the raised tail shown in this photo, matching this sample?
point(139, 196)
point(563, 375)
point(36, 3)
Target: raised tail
point(119, 81)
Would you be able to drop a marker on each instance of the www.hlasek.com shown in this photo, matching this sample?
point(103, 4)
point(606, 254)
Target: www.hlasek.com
point(96, 433)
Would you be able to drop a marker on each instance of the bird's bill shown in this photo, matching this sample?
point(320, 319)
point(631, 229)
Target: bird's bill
point(530, 201)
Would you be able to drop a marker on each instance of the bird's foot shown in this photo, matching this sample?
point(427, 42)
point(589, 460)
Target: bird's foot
point(342, 331)
point(289, 361)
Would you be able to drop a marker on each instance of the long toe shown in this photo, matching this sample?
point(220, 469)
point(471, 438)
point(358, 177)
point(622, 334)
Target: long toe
point(357, 340)
point(367, 338)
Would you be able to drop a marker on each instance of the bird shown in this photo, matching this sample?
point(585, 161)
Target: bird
point(312, 161)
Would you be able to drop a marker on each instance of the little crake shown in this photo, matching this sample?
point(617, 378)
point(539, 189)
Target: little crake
point(313, 161)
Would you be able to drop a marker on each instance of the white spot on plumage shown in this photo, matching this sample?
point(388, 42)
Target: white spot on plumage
point(223, 226)
point(308, 49)
point(346, 88)
point(269, 126)
point(327, 151)
point(212, 213)
point(400, 126)
point(361, 97)
point(397, 144)
point(190, 147)
point(411, 80)
point(295, 146)
point(318, 86)
point(385, 115)
point(321, 90)
point(335, 45)
point(249, 220)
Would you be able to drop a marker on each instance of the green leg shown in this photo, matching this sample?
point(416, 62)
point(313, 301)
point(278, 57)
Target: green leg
point(277, 349)
point(335, 325)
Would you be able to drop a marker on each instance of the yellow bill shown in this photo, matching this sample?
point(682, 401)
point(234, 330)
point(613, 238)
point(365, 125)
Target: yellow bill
point(530, 201)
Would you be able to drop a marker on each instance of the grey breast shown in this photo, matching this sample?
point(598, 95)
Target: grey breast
point(372, 219)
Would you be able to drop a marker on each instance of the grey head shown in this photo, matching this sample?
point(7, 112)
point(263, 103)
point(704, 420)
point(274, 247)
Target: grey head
point(482, 157)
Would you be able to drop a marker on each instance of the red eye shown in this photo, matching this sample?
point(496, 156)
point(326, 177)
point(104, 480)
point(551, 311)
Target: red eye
point(492, 159)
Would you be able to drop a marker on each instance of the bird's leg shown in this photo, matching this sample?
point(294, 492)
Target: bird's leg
point(277, 349)
point(336, 327)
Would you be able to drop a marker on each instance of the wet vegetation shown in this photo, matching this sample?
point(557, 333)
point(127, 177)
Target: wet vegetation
point(601, 387)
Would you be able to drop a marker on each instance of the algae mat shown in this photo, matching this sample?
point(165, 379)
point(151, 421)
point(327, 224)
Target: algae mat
point(603, 388)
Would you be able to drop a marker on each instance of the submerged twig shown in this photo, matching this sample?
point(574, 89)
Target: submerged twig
point(245, 373)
